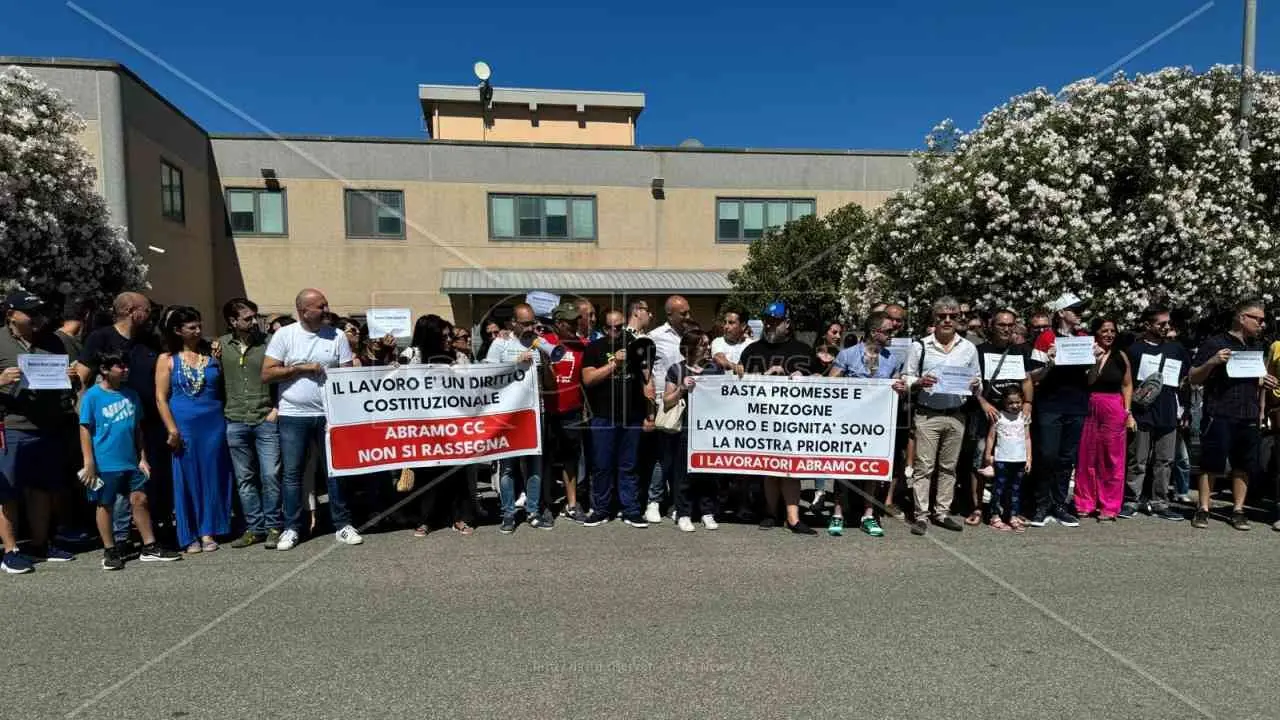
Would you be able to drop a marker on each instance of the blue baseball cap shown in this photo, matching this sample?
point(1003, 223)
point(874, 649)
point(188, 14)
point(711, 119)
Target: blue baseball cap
point(776, 310)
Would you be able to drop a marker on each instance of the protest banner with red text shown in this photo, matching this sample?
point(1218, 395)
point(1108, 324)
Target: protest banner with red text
point(805, 427)
point(385, 418)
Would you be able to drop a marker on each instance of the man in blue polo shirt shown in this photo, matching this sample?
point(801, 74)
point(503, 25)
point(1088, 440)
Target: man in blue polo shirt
point(1229, 427)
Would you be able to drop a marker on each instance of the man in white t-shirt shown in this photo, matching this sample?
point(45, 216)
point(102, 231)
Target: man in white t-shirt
point(727, 349)
point(297, 357)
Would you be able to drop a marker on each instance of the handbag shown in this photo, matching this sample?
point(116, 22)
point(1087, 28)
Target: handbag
point(1145, 395)
point(670, 421)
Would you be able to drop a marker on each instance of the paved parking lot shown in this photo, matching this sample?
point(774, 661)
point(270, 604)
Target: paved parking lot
point(1144, 619)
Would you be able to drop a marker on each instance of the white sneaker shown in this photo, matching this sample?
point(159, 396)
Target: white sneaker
point(685, 524)
point(709, 522)
point(652, 513)
point(348, 536)
point(520, 500)
point(287, 540)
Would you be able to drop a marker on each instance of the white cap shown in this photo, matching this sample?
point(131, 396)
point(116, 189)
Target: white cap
point(1065, 301)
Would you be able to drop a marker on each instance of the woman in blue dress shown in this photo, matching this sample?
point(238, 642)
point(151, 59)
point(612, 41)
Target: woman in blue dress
point(188, 380)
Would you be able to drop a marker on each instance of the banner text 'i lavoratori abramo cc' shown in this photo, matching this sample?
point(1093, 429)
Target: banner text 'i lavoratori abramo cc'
point(805, 427)
point(384, 418)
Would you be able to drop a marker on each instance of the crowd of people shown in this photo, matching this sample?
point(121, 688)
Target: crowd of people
point(163, 421)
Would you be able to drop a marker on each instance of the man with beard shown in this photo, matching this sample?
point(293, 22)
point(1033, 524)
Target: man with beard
point(1229, 428)
point(615, 372)
point(778, 353)
point(36, 425)
point(1004, 365)
point(131, 335)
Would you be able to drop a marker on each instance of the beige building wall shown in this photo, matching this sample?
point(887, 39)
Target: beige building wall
point(91, 140)
point(549, 124)
point(447, 227)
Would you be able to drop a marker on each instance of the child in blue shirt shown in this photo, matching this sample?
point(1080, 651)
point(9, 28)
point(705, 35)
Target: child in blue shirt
point(115, 462)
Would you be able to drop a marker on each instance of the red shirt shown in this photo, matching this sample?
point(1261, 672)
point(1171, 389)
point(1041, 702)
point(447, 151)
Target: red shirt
point(568, 373)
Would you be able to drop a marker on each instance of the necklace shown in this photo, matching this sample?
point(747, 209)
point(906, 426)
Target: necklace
point(192, 375)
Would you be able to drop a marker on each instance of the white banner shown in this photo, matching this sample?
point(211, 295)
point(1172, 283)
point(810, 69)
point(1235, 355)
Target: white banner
point(808, 427)
point(384, 418)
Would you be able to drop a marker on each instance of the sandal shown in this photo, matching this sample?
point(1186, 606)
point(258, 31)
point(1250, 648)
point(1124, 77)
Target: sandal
point(463, 528)
point(975, 518)
point(998, 524)
point(210, 546)
point(193, 549)
point(420, 531)
point(1018, 524)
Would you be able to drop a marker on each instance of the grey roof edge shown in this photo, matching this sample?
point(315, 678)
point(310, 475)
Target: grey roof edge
point(589, 98)
point(107, 65)
point(463, 280)
point(561, 146)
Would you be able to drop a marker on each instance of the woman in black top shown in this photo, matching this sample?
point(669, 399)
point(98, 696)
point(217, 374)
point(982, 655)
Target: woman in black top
point(432, 336)
point(1100, 469)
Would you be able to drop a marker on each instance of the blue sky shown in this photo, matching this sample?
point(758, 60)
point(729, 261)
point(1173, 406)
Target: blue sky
point(865, 75)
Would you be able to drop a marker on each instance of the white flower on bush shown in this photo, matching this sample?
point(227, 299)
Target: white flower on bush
point(1131, 191)
point(55, 234)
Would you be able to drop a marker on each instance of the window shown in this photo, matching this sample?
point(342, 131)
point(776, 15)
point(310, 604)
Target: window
point(171, 198)
point(375, 214)
point(256, 211)
point(747, 219)
point(542, 217)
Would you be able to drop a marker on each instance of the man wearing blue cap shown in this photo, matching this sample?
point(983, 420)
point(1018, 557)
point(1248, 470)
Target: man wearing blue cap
point(778, 353)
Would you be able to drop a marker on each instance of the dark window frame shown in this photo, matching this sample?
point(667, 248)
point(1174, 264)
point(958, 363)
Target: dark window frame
point(173, 197)
point(742, 239)
point(371, 195)
point(542, 202)
point(258, 192)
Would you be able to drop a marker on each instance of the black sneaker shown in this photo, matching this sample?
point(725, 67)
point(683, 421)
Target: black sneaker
point(508, 525)
point(155, 553)
point(595, 518)
point(801, 529)
point(919, 527)
point(1167, 513)
point(1200, 520)
point(1066, 519)
point(946, 522)
point(1039, 520)
point(1240, 521)
point(636, 521)
point(128, 549)
point(1128, 510)
point(768, 522)
point(111, 559)
point(543, 521)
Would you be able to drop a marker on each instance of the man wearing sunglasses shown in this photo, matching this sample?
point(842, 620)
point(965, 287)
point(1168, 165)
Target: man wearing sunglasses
point(1153, 445)
point(1229, 427)
point(614, 374)
point(940, 417)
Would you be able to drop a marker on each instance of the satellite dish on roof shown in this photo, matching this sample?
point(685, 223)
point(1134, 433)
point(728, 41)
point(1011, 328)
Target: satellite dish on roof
point(691, 142)
point(482, 70)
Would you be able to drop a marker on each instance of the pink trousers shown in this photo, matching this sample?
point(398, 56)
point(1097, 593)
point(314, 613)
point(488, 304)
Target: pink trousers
point(1101, 467)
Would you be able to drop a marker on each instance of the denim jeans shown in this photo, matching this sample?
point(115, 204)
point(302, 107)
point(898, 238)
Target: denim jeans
point(255, 457)
point(614, 449)
point(533, 469)
point(1182, 466)
point(296, 435)
point(1057, 444)
point(1008, 481)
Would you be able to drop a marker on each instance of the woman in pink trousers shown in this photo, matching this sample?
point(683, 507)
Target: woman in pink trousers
point(1101, 466)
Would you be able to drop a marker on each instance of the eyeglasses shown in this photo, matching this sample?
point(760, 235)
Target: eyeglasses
point(1256, 318)
point(1006, 325)
point(614, 328)
point(1039, 328)
point(526, 323)
point(948, 316)
point(461, 337)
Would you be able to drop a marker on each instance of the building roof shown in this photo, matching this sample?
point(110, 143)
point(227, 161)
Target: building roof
point(581, 99)
point(487, 281)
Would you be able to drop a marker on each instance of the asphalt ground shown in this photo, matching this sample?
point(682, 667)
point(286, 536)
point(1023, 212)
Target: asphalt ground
point(1141, 619)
